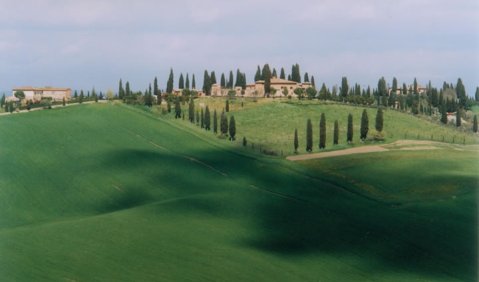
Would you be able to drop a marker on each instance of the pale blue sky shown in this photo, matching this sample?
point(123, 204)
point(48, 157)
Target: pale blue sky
point(81, 44)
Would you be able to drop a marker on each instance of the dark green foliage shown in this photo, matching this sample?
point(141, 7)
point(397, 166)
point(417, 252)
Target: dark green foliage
point(169, 83)
point(177, 108)
point(267, 79)
point(379, 120)
point(395, 85)
point(274, 74)
point(309, 136)
point(382, 90)
point(224, 124)
point(296, 141)
point(181, 82)
point(295, 73)
point(336, 132)
point(82, 96)
point(322, 131)
point(313, 83)
point(19, 94)
point(213, 78)
point(282, 74)
point(227, 106)
point(364, 125)
point(311, 93)
point(202, 118)
point(458, 117)
point(223, 81)
point(230, 80)
point(63, 101)
point(207, 118)
point(257, 75)
point(444, 114)
point(349, 137)
point(232, 128)
point(415, 90)
point(306, 77)
point(215, 122)
point(343, 91)
point(477, 94)
point(197, 117)
point(474, 124)
point(206, 83)
point(245, 142)
point(121, 91)
point(461, 94)
point(191, 111)
point(168, 106)
point(75, 95)
point(193, 82)
point(187, 81)
point(127, 89)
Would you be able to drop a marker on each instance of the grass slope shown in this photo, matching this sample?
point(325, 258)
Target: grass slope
point(110, 193)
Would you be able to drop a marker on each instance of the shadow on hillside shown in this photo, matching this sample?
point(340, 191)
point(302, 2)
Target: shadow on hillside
point(293, 215)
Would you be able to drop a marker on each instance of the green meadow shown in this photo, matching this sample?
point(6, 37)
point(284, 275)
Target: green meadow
point(108, 192)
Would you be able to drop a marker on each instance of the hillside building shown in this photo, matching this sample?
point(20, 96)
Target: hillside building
point(37, 93)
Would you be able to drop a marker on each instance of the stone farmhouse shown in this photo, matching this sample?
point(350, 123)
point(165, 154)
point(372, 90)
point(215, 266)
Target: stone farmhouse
point(37, 93)
point(282, 87)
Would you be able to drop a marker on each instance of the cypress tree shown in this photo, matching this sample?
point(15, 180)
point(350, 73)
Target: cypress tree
point(274, 74)
point(191, 111)
point(202, 118)
point(227, 106)
point(306, 77)
point(232, 128)
point(474, 124)
point(461, 94)
point(121, 91)
point(336, 132)
point(295, 73)
point(295, 142)
point(187, 82)
point(224, 124)
point(267, 79)
point(168, 106)
point(230, 81)
point(458, 117)
point(223, 81)
point(364, 125)
point(169, 83)
point(181, 82)
point(213, 78)
point(309, 136)
point(197, 117)
point(313, 83)
point(193, 82)
point(155, 87)
point(206, 83)
point(282, 74)
point(177, 108)
point(350, 129)
point(322, 132)
point(443, 114)
point(257, 75)
point(207, 118)
point(477, 94)
point(379, 120)
point(343, 91)
point(81, 97)
point(215, 122)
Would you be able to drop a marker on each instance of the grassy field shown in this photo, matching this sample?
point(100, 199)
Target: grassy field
point(113, 193)
point(270, 123)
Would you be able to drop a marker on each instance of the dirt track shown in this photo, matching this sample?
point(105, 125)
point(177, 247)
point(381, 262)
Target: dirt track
point(403, 145)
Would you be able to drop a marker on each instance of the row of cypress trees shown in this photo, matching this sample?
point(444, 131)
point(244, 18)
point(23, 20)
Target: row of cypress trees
point(202, 118)
point(349, 136)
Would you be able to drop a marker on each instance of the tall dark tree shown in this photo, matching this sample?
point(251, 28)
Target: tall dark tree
point(322, 132)
point(336, 133)
point(239, 77)
point(267, 79)
point(191, 111)
point(296, 141)
point(309, 136)
point(177, 108)
point(474, 124)
point(232, 128)
point(193, 82)
point(207, 118)
point(213, 78)
point(181, 82)
point(215, 122)
point(458, 117)
point(364, 125)
point(394, 87)
point(382, 90)
point(343, 91)
point(121, 91)
point(206, 83)
point(379, 120)
point(282, 75)
point(155, 87)
point(274, 74)
point(187, 82)
point(349, 136)
point(477, 94)
point(415, 87)
point(461, 94)
point(444, 114)
point(223, 81)
point(257, 75)
point(223, 124)
point(306, 77)
point(230, 81)
point(295, 73)
point(169, 83)
point(82, 96)
point(313, 83)
point(202, 118)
